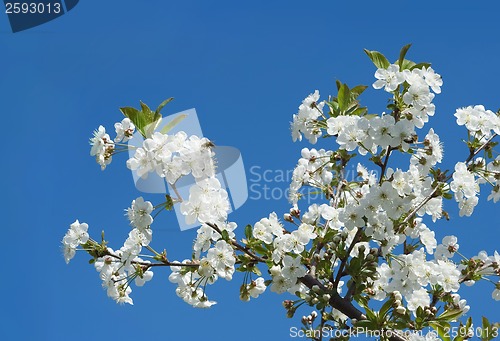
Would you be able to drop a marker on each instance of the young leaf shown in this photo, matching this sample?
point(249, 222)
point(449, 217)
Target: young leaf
point(402, 55)
point(443, 329)
point(136, 117)
point(248, 232)
point(420, 65)
point(358, 90)
point(339, 84)
point(162, 104)
point(378, 59)
point(344, 97)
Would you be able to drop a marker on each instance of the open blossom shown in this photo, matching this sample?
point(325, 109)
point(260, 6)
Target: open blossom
point(448, 248)
point(292, 268)
point(124, 130)
point(222, 259)
point(303, 121)
point(139, 213)
point(142, 162)
point(172, 156)
point(102, 147)
point(389, 78)
point(418, 298)
point(257, 287)
point(432, 79)
point(267, 228)
point(466, 188)
point(478, 120)
point(208, 202)
point(76, 235)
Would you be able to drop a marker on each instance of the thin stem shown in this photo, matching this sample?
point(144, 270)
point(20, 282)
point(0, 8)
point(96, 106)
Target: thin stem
point(238, 246)
point(473, 154)
point(344, 261)
point(179, 198)
point(383, 168)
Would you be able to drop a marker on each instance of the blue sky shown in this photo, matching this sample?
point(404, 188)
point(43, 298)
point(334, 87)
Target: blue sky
point(245, 68)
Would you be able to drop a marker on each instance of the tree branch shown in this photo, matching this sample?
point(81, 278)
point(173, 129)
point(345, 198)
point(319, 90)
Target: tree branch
point(238, 246)
point(343, 305)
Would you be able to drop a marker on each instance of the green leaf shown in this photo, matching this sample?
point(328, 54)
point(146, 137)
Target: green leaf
point(450, 315)
point(370, 315)
point(447, 195)
point(420, 65)
point(344, 97)
point(256, 271)
point(358, 90)
point(443, 329)
point(339, 84)
point(366, 325)
point(489, 331)
point(386, 307)
point(144, 120)
point(359, 111)
point(248, 232)
point(146, 111)
point(260, 249)
point(362, 301)
point(162, 104)
point(173, 123)
point(136, 117)
point(406, 65)
point(225, 235)
point(378, 59)
point(402, 55)
point(169, 203)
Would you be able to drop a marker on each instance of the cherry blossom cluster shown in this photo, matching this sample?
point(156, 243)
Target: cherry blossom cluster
point(412, 275)
point(102, 147)
point(77, 235)
point(367, 239)
point(173, 156)
point(480, 122)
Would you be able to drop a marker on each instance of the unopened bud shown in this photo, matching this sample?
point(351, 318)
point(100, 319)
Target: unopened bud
point(287, 304)
point(295, 212)
point(401, 310)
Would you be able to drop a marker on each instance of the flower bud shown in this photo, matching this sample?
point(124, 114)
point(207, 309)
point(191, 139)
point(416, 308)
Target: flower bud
point(401, 310)
point(397, 296)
